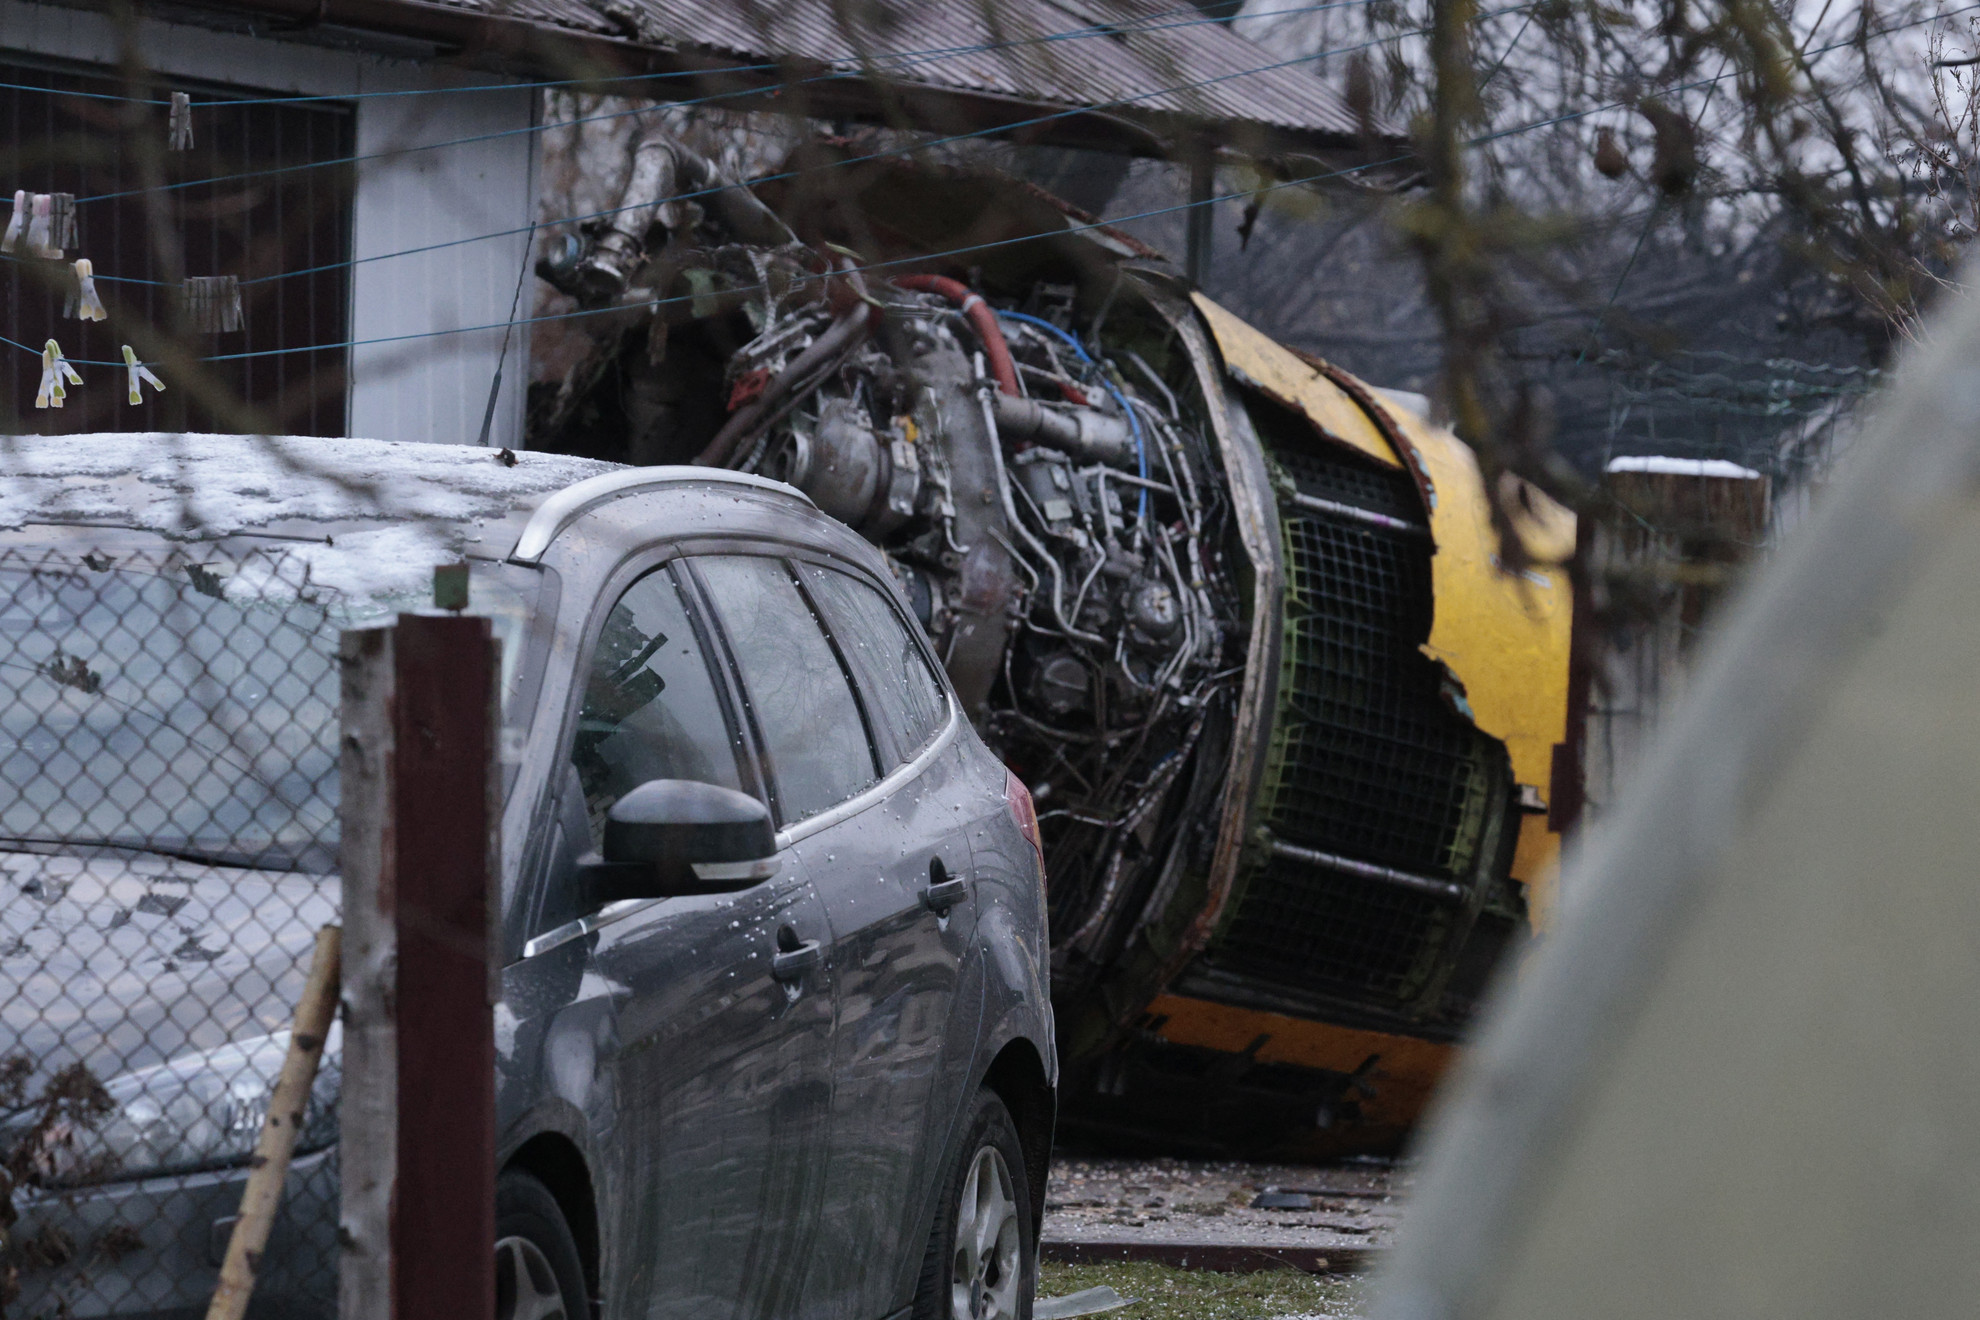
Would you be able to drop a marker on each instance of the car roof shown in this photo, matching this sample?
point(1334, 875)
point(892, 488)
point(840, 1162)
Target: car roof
point(368, 516)
point(205, 487)
point(566, 506)
point(210, 486)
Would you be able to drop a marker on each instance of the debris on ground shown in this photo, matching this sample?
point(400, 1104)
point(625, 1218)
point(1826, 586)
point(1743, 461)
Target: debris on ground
point(1352, 1204)
point(1087, 1301)
point(1163, 1293)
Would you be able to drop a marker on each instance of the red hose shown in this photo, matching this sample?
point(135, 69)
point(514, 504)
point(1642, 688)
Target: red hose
point(980, 315)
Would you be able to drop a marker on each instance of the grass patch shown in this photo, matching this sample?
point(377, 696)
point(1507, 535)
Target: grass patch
point(1165, 1293)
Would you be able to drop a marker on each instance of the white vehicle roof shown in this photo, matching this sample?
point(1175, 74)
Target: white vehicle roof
point(214, 485)
point(368, 518)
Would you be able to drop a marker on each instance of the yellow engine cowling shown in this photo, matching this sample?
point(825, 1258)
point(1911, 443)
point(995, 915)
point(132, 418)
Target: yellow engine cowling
point(1502, 633)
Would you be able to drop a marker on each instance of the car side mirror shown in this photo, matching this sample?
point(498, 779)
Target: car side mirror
point(670, 837)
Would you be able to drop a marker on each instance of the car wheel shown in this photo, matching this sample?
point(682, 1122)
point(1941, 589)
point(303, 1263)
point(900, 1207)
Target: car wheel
point(979, 1264)
point(538, 1275)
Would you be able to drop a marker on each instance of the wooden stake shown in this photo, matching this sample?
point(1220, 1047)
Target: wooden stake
point(286, 1107)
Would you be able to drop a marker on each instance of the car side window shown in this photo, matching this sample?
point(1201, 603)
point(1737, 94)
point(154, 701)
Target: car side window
point(808, 722)
point(651, 709)
point(903, 695)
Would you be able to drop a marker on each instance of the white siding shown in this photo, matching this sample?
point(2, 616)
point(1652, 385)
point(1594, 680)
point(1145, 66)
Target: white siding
point(437, 389)
point(434, 388)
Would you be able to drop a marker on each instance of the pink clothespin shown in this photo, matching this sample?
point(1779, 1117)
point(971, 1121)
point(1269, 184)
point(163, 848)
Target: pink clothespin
point(136, 371)
point(55, 370)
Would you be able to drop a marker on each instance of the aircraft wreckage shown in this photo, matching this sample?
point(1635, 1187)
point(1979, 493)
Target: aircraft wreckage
point(1234, 616)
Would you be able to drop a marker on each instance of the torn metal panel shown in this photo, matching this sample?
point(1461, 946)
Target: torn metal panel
point(1251, 496)
point(1281, 375)
point(1502, 633)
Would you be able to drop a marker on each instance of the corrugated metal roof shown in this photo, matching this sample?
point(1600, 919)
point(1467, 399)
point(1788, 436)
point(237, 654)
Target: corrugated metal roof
point(1151, 61)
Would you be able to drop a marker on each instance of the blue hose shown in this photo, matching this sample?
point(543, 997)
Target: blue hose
point(1134, 422)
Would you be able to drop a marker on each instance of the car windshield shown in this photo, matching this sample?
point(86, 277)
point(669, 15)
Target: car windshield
point(185, 701)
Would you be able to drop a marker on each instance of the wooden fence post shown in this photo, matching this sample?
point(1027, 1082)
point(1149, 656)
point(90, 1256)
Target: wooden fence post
point(368, 1105)
point(420, 805)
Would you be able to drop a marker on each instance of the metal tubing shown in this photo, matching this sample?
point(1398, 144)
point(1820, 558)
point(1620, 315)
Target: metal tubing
point(1421, 884)
point(1369, 516)
point(844, 333)
point(1085, 434)
point(980, 315)
point(1129, 479)
point(1017, 525)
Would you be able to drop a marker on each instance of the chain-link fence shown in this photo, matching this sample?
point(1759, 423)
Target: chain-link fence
point(168, 838)
point(1711, 458)
point(1784, 418)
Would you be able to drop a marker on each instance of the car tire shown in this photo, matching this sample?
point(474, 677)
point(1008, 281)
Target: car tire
point(538, 1273)
point(981, 1259)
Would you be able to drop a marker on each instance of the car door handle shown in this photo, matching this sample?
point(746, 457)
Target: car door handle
point(790, 964)
point(943, 895)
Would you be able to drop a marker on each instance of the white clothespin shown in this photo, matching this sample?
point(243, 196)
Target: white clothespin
point(88, 306)
point(55, 369)
point(40, 236)
point(17, 222)
point(179, 124)
point(136, 371)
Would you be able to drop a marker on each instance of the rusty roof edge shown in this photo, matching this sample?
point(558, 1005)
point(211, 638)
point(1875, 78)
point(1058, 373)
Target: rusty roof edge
point(502, 43)
point(531, 48)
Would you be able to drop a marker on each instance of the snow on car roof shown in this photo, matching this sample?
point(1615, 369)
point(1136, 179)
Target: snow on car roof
point(414, 505)
point(212, 485)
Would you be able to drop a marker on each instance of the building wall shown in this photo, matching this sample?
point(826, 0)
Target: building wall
point(436, 388)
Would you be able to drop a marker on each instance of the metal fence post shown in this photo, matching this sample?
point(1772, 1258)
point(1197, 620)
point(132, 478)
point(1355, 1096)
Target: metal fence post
point(419, 865)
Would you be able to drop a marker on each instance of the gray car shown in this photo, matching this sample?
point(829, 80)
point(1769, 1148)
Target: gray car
point(826, 1091)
